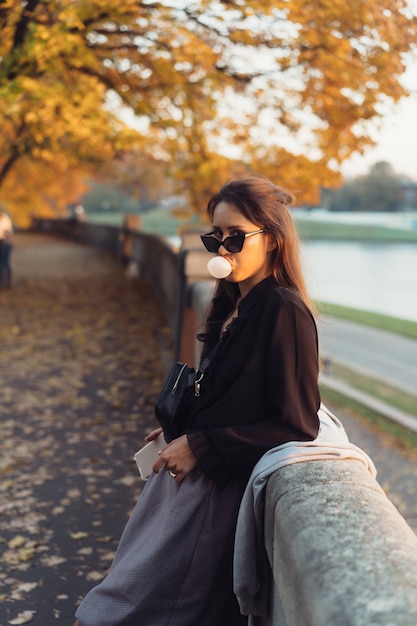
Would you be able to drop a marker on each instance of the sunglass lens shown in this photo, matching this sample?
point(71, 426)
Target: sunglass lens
point(234, 243)
point(211, 243)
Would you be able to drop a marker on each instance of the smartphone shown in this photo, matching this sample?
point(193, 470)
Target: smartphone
point(148, 455)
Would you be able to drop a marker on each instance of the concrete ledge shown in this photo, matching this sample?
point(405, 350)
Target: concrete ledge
point(340, 551)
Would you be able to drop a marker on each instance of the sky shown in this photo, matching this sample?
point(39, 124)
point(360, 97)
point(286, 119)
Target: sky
point(397, 137)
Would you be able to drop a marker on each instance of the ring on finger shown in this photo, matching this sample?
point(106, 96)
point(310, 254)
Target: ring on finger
point(172, 474)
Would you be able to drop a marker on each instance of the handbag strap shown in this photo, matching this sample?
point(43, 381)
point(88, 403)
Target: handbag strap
point(203, 367)
point(206, 362)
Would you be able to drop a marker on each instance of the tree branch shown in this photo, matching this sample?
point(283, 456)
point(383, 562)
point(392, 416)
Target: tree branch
point(3, 13)
point(14, 155)
point(23, 24)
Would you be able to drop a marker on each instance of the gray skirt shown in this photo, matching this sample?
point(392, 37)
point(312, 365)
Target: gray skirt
point(173, 565)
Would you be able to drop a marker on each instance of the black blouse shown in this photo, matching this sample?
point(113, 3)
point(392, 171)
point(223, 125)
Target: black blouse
point(261, 387)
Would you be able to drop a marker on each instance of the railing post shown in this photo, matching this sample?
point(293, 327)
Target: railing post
point(194, 270)
point(181, 351)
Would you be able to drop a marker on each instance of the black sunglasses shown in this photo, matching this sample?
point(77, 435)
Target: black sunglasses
point(233, 243)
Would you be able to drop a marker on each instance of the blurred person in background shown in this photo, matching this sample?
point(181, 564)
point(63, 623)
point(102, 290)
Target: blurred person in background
point(6, 232)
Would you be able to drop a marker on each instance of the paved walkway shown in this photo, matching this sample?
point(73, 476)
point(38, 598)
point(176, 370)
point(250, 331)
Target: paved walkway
point(80, 365)
point(386, 356)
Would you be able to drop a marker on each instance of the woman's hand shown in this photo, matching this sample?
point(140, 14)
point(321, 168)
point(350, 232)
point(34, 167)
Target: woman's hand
point(154, 434)
point(176, 458)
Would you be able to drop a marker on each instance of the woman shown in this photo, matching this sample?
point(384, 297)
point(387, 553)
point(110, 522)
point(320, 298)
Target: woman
point(174, 562)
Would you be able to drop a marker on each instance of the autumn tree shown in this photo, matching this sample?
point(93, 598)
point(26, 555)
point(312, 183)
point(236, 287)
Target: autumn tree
point(214, 86)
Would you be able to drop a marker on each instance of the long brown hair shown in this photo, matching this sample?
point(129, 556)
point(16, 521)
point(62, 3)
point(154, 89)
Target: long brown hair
point(266, 205)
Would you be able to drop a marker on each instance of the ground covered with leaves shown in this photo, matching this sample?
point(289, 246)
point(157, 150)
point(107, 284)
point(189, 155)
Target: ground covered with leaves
point(81, 362)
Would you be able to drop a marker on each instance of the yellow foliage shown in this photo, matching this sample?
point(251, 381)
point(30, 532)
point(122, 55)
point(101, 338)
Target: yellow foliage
point(58, 184)
point(202, 77)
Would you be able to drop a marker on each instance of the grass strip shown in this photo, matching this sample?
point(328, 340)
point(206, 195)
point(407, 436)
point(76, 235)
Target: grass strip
point(397, 325)
point(402, 437)
point(378, 389)
point(336, 231)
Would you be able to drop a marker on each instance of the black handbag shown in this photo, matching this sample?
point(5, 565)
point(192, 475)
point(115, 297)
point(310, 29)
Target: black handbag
point(175, 402)
point(180, 383)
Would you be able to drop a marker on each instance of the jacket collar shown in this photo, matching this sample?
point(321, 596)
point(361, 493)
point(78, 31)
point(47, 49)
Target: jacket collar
point(256, 294)
point(222, 306)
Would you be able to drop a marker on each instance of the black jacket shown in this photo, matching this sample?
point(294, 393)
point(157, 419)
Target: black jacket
point(261, 388)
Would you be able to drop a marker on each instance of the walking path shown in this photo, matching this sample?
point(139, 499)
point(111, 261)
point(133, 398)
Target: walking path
point(80, 365)
point(386, 356)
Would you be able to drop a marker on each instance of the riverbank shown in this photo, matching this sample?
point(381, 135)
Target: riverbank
point(312, 229)
point(391, 324)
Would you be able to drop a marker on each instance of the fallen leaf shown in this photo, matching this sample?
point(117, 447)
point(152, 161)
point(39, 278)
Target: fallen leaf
point(23, 618)
point(94, 576)
point(52, 561)
point(78, 535)
point(26, 587)
point(27, 553)
point(17, 541)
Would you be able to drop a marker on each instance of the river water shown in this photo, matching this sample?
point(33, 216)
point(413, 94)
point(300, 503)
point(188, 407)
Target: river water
point(374, 276)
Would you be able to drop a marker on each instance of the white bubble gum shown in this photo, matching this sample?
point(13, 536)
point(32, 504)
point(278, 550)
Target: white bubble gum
point(219, 267)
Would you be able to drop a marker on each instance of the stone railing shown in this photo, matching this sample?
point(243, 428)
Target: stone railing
point(340, 552)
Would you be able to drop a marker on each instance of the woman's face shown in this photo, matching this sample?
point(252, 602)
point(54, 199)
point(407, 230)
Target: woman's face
point(252, 263)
